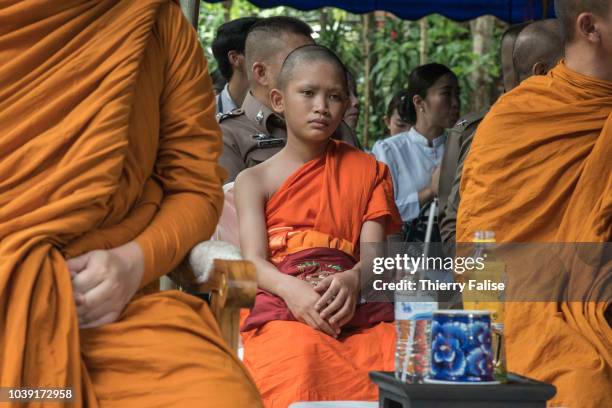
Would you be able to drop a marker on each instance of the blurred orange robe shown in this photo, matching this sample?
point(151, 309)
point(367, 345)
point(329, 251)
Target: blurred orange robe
point(108, 136)
point(323, 205)
point(540, 170)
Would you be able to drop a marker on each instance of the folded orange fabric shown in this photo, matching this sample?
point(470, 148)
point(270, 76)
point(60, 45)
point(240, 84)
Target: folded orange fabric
point(540, 170)
point(323, 205)
point(109, 136)
point(291, 362)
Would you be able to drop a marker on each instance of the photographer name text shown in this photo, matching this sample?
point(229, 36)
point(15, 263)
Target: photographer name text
point(437, 285)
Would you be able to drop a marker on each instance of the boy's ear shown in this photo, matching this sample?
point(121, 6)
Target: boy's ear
point(387, 121)
point(276, 101)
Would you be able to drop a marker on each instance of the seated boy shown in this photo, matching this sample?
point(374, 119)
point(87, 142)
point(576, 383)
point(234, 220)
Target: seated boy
point(302, 216)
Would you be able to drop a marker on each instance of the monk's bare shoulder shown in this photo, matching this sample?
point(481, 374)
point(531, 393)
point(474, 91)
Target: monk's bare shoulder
point(273, 173)
point(249, 175)
point(249, 183)
point(260, 179)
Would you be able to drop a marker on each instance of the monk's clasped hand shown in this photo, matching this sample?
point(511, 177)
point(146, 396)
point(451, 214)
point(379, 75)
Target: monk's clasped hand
point(104, 281)
point(301, 300)
point(339, 296)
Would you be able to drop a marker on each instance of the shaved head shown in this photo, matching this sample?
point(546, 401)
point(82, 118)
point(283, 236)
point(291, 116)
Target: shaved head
point(538, 48)
point(309, 54)
point(510, 76)
point(567, 12)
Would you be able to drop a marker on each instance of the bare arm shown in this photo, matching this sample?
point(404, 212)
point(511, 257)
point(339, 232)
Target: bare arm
point(299, 296)
point(427, 193)
point(250, 204)
point(373, 231)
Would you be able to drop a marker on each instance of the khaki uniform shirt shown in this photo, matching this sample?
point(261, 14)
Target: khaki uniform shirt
point(225, 103)
point(254, 133)
point(457, 147)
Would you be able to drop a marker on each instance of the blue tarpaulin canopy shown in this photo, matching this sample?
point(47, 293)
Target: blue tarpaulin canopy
point(511, 11)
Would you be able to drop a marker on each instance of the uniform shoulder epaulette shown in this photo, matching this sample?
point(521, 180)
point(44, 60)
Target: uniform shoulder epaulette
point(231, 114)
point(470, 119)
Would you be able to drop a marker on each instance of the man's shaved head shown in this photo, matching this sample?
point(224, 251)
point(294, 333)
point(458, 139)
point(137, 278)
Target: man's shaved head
point(309, 54)
point(538, 48)
point(268, 36)
point(508, 39)
point(567, 12)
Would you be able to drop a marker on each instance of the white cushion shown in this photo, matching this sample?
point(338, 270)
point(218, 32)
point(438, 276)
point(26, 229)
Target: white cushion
point(202, 257)
point(223, 244)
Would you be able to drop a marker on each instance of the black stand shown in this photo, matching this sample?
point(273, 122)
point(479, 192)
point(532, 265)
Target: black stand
point(519, 392)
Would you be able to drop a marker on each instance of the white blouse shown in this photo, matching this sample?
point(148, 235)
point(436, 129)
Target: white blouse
point(411, 162)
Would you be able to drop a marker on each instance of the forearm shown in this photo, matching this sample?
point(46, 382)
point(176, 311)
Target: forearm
point(183, 220)
point(426, 195)
point(269, 278)
point(356, 269)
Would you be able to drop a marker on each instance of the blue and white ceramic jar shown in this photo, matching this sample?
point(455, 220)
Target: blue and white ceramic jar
point(461, 346)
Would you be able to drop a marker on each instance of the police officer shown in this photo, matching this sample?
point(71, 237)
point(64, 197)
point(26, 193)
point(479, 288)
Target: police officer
point(457, 145)
point(228, 49)
point(254, 132)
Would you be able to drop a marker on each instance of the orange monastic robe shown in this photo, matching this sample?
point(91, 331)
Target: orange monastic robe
point(108, 136)
point(540, 170)
point(323, 205)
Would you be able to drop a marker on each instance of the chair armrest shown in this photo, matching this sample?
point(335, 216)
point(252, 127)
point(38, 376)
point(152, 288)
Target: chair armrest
point(215, 268)
point(232, 285)
point(196, 268)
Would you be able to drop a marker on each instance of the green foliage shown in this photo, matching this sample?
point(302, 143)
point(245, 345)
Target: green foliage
point(211, 16)
point(394, 51)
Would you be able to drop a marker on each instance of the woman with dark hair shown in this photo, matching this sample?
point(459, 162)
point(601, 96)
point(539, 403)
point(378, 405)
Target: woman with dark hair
point(432, 104)
point(393, 121)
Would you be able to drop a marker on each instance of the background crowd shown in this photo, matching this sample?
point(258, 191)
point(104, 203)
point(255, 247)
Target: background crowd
point(417, 119)
point(381, 50)
point(115, 161)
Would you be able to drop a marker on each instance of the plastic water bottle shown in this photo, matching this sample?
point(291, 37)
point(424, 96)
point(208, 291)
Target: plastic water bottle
point(413, 314)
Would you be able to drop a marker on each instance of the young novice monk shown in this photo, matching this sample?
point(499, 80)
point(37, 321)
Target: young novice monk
point(302, 215)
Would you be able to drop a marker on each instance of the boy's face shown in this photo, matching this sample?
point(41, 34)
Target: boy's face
point(314, 100)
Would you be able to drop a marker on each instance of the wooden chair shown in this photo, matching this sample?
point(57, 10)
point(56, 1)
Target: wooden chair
point(231, 283)
point(231, 286)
